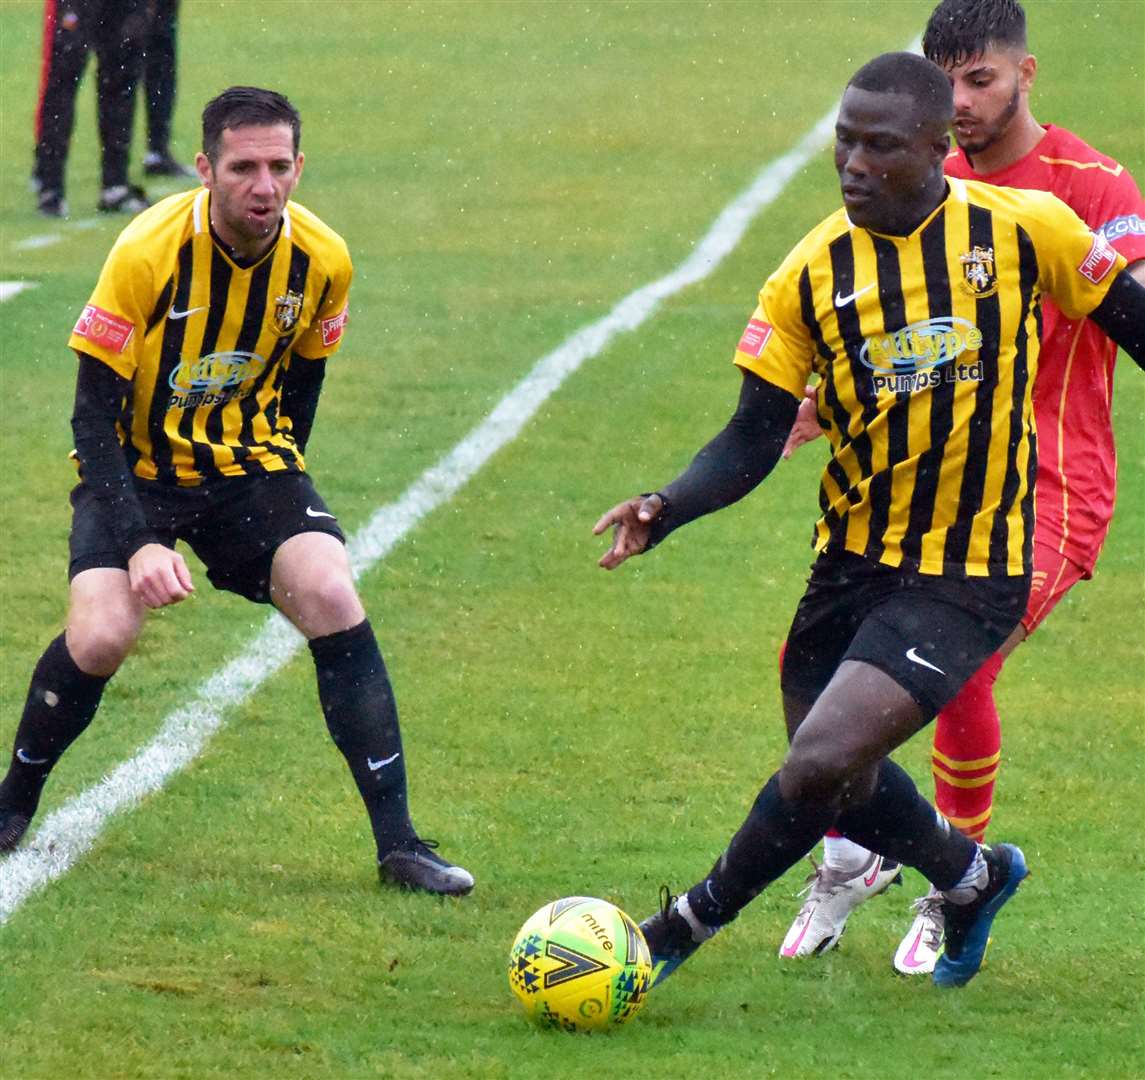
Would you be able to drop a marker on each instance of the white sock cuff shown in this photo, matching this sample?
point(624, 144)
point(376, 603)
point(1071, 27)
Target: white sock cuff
point(700, 931)
point(845, 856)
point(972, 883)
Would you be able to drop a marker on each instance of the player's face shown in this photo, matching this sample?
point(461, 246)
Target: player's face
point(989, 91)
point(889, 164)
point(254, 175)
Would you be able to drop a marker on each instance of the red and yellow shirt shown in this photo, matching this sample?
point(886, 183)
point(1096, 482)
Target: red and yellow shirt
point(1077, 461)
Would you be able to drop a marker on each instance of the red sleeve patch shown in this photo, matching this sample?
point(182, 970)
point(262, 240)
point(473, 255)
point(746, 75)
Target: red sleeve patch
point(755, 337)
point(332, 327)
point(1100, 260)
point(102, 328)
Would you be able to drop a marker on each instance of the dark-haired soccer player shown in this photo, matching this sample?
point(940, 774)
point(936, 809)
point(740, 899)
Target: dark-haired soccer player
point(917, 305)
point(201, 355)
point(982, 46)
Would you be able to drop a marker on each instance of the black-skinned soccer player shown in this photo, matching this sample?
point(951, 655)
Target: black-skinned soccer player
point(917, 306)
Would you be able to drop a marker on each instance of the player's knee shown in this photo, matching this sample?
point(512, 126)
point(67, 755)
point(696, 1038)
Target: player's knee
point(338, 596)
point(813, 774)
point(99, 645)
point(331, 603)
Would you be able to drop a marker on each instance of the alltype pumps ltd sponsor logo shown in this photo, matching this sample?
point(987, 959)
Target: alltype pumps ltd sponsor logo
point(213, 379)
point(921, 356)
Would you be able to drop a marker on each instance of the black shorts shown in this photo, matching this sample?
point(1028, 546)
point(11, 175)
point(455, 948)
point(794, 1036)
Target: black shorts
point(234, 526)
point(928, 633)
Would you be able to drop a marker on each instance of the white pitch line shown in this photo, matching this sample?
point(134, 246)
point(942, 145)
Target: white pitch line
point(8, 289)
point(67, 833)
point(43, 240)
point(34, 243)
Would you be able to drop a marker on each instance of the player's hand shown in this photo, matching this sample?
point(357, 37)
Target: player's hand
point(806, 426)
point(633, 520)
point(159, 576)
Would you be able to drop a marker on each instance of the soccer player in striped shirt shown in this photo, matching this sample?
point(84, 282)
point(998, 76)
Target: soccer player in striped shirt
point(202, 352)
point(982, 46)
point(918, 306)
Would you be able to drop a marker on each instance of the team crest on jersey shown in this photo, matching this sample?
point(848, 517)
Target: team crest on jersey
point(978, 271)
point(287, 310)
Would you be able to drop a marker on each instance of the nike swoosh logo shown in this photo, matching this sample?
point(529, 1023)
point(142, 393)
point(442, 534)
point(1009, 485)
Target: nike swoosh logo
point(30, 760)
point(373, 765)
point(793, 948)
point(843, 301)
point(173, 314)
point(914, 658)
point(869, 881)
point(311, 512)
point(911, 959)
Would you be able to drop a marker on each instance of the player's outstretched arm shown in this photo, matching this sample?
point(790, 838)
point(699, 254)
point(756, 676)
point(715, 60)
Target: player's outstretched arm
point(723, 472)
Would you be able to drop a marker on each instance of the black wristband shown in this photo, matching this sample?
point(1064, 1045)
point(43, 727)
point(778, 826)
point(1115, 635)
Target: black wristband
point(658, 527)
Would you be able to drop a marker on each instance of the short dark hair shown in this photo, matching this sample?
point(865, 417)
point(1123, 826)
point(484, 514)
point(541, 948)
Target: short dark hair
point(243, 106)
point(959, 30)
point(914, 75)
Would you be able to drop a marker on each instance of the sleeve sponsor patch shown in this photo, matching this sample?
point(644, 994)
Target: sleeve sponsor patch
point(104, 329)
point(332, 327)
point(1126, 225)
point(755, 338)
point(1100, 260)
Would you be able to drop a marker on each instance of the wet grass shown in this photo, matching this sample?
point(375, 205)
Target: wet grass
point(504, 173)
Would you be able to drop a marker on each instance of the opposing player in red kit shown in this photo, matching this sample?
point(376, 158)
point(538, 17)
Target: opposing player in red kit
point(981, 44)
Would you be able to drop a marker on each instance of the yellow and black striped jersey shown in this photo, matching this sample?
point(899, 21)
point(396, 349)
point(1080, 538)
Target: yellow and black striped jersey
point(926, 347)
point(206, 342)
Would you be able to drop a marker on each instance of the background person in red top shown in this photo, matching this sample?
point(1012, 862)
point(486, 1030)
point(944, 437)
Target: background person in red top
point(981, 44)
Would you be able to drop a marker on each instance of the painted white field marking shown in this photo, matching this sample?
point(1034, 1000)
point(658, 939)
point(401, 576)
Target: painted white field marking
point(33, 243)
point(8, 289)
point(43, 240)
point(67, 833)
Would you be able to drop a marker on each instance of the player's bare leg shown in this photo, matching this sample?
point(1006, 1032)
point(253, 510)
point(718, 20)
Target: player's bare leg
point(311, 585)
point(851, 874)
point(848, 875)
point(104, 621)
point(836, 770)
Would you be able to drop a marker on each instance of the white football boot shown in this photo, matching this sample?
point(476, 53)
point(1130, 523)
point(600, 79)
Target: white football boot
point(918, 951)
point(831, 898)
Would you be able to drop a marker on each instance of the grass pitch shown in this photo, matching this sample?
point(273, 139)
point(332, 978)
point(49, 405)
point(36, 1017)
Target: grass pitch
point(505, 173)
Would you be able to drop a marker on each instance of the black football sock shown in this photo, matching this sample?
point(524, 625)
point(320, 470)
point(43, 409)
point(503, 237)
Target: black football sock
point(61, 701)
point(362, 716)
point(899, 823)
point(776, 835)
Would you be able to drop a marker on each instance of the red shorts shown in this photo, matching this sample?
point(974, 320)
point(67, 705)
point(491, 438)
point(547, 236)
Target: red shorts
point(1054, 576)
